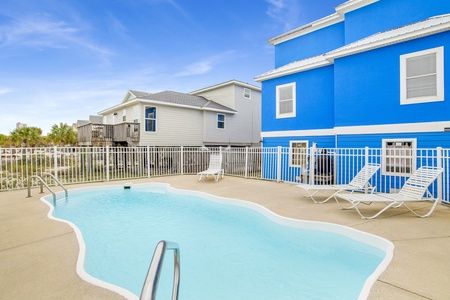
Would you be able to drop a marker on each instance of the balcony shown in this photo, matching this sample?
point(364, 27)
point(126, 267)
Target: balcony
point(108, 135)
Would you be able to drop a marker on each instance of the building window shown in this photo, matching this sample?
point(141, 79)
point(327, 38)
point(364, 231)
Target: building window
point(247, 93)
point(150, 119)
point(298, 154)
point(220, 121)
point(286, 100)
point(422, 76)
point(124, 115)
point(399, 156)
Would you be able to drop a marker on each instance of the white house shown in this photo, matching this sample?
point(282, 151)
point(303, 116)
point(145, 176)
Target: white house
point(227, 114)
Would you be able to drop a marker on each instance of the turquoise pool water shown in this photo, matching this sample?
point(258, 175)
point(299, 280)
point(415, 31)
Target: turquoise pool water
point(227, 251)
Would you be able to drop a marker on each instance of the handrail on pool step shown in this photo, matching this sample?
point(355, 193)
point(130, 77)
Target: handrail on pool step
point(151, 281)
point(46, 185)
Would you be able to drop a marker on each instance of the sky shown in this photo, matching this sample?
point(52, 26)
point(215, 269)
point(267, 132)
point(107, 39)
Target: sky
point(63, 60)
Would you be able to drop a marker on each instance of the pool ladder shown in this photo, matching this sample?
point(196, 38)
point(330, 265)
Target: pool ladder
point(43, 183)
point(151, 281)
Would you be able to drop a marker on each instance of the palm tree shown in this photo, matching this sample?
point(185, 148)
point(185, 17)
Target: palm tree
point(26, 136)
point(62, 135)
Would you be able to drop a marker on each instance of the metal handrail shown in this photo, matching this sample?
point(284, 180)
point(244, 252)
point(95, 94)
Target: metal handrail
point(43, 183)
point(152, 279)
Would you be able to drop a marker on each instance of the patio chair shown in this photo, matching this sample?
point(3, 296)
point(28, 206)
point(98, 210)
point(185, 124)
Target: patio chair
point(359, 183)
point(413, 190)
point(215, 167)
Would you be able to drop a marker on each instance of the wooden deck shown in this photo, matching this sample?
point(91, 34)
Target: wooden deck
point(107, 134)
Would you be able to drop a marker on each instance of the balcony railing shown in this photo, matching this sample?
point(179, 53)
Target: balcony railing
point(107, 134)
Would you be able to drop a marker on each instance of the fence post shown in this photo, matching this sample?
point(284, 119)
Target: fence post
point(246, 162)
point(439, 179)
point(148, 161)
point(279, 164)
point(312, 163)
point(182, 160)
point(55, 161)
point(107, 163)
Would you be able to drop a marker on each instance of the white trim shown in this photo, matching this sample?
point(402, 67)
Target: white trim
point(413, 158)
point(306, 142)
point(368, 129)
point(439, 51)
point(292, 114)
point(231, 82)
point(224, 121)
point(332, 19)
point(421, 29)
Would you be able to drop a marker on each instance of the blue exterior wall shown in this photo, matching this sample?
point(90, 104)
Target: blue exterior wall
point(361, 89)
point(310, 45)
point(389, 14)
point(367, 86)
point(315, 101)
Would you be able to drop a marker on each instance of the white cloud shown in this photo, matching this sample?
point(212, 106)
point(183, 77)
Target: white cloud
point(285, 12)
point(206, 65)
point(4, 91)
point(42, 31)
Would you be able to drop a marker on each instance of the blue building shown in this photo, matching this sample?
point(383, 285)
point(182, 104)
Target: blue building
point(369, 75)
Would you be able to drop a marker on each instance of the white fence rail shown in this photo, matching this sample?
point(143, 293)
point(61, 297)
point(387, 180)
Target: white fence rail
point(72, 165)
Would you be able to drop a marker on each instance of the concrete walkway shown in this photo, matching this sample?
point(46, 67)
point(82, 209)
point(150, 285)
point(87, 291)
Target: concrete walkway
point(38, 255)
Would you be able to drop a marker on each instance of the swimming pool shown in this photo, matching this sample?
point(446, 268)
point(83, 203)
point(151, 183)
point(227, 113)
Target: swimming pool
point(230, 249)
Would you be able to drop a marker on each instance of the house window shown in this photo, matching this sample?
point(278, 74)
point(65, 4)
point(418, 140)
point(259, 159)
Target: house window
point(286, 100)
point(422, 76)
point(399, 156)
point(220, 121)
point(247, 93)
point(298, 153)
point(124, 115)
point(150, 119)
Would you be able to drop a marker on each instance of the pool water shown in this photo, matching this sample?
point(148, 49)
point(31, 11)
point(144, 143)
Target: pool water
point(227, 251)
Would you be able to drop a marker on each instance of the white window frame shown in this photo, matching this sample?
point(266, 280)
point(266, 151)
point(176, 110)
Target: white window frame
point(224, 121)
point(124, 115)
point(439, 51)
point(247, 93)
point(155, 119)
point(298, 159)
point(403, 160)
point(290, 114)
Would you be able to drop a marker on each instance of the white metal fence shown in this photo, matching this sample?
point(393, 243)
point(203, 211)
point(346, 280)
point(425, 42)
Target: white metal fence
point(72, 165)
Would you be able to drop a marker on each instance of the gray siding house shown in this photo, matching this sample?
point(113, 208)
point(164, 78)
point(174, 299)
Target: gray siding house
point(227, 114)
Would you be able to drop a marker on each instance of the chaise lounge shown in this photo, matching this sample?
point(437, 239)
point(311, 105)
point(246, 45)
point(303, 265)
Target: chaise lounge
point(413, 190)
point(359, 183)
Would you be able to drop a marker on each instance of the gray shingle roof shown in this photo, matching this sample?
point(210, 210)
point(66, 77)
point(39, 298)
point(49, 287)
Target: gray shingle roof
point(177, 98)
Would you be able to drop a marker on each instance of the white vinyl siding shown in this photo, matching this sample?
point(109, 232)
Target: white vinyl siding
point(285, 100)
point(187, 130)
point(399, 156)
point(422, 76)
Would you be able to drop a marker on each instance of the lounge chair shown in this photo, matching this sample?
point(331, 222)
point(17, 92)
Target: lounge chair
point(413, 190)
point(359, 183)
point(215, 168)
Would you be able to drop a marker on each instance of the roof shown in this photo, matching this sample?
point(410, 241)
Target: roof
point(420, 29)
point(185, 100)
point(230, 82)
point(337, 17)
point(173, 99)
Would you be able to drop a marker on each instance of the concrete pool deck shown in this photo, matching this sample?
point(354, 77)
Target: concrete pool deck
point(38, 256)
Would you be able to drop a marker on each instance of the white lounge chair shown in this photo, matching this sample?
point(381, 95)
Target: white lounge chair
point(215, 168)
point(359, 183)
point(413, 190)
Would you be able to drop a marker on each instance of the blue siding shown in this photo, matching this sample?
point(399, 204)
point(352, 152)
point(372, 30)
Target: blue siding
point(424, 140)
point(367, 86)
point(315, 98)
point(310, 45)
point(321, 141)
point(389, 14)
